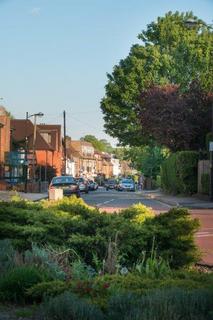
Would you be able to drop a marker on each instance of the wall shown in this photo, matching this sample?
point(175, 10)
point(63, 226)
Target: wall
point(49, 158)
point(4, 136)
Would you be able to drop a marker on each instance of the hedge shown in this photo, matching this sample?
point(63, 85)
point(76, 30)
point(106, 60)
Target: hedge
point(179, 173)
point(72, 224)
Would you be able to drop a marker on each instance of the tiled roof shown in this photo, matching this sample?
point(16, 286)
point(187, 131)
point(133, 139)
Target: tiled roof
point(23, 128)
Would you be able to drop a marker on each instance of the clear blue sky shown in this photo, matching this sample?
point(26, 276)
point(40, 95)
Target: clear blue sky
point(55, 54)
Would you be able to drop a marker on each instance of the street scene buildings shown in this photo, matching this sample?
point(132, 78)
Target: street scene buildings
point(36, 153)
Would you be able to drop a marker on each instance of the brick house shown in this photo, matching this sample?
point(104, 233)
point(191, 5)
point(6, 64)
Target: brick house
point(48, 149)
point(4, 138)
point(86, 162)
point(107, 166)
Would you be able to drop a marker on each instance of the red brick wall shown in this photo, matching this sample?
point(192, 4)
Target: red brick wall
point(4, 137)
point(49, 158)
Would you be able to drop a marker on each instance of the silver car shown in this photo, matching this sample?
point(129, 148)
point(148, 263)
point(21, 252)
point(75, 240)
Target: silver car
point(126, 185)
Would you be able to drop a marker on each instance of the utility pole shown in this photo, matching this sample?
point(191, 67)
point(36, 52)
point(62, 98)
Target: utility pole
point(34, 141)
point(65, 150)
point(26, 158)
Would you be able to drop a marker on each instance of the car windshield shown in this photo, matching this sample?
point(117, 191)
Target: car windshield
point(127, 181)
point(111, 181)
point(63, 180)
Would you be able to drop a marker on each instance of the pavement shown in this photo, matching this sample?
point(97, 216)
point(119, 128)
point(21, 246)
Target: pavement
point(8, 195)
point(178, 201)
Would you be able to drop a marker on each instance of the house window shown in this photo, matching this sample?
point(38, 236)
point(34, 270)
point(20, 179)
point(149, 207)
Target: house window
point(46, 136)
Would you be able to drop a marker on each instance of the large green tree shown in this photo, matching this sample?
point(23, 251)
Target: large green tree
point(170, 52)
point(147, 159)
point(100, 145)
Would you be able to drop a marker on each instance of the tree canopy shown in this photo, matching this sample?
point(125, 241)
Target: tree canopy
point(146, 159)
point(170, 53)
point(100, 145)
point(175, 119)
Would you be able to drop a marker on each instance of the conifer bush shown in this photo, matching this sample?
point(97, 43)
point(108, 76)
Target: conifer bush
point(75, 226)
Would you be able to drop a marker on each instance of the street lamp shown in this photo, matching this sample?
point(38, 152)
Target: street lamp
point(191, 23)
point(35, 115)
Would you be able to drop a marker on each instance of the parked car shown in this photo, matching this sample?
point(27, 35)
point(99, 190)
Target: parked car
point(67, 183)
point(111, 184)
point(83, 185)
point(126, 185)
point(92, 185)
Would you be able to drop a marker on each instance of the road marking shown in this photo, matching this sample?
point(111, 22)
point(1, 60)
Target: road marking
point(201, 234)
point(163, 203)
point(105, 202)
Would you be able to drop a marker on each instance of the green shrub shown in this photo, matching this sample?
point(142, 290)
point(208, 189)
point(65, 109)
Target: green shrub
point(81, 271)
point(84, 231)
point(14, 284)
point(205, 183)
point(154, 267)
point(141, 284)
point(137, 213)
point(7, 255)
point(170, 304)
point(45, 289)
point(45, 258)
point(179, 172)
point(68, 306)
point(169, 181)
point(174, 237)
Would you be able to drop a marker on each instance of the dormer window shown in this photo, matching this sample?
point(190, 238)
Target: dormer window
point(46, 136)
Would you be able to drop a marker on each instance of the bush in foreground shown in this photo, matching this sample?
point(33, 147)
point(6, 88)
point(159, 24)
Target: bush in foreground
point(170, 304)
point(68, 306)
point(72, 224)
point(14, 284)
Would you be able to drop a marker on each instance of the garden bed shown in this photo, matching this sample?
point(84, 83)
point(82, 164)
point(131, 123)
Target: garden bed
point(72, 261)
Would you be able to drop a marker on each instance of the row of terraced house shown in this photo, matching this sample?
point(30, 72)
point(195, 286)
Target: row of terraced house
point(30, 154)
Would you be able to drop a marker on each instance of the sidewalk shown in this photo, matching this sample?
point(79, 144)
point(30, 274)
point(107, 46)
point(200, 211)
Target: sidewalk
point(178, 201)
point(7, 195)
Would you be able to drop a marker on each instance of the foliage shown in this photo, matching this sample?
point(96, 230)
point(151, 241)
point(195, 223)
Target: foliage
point(7, 255)
point(100, 145)
point(141, 283)
point(174, 234)
point(179, 173)
point(137, 213)
point(146, 159)
point(153, 266)
point(81, 271)
point(205, 183)
point(68, 306)
point(14, 283)
point(46, 259)
point(179, 121)
point(84, 230)
point(42, 290)
point(170, 304)
point(170, 53)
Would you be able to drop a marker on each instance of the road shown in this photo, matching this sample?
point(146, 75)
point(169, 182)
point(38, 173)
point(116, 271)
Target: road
point(113, 200)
